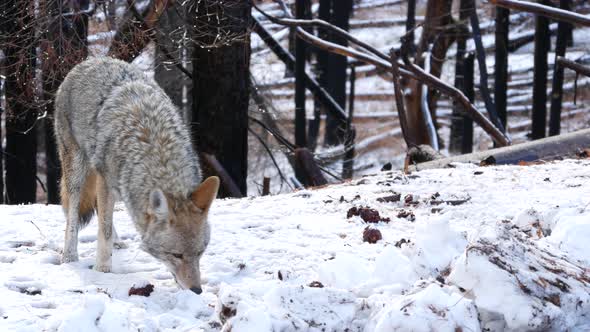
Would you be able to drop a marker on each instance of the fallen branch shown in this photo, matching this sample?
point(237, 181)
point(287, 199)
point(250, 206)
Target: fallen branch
point(270, 154)
point(569, 64)
point(458, 96)
point(289, 60)
point(547, 11)
point(280, 138)
point(382, 61)
point(298, 23)
point(399, 100)
point(380, 23)
point(377, 4)
point(483, 71)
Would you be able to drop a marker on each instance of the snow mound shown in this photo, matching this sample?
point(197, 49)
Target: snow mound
point(432, 308)
point(518, 284)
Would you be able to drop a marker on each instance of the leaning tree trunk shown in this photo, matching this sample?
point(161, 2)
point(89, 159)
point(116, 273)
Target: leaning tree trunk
point(441, 41)
point(21, 144)
point(438, 18)
point(65, 46)
point(221, 61)
point(336, 74)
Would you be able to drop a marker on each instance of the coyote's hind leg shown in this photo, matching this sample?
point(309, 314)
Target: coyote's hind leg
point(78, 200)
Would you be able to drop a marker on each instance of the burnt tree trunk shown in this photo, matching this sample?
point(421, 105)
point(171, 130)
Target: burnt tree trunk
point(348, 162)
point(19, 66)
point(221, 83)
point(469, 91)
point(3, 34)
point(542, 47)
point(300, 62)
point(1, 148)
point(1, 139)
point(336, 74)
point(321, 69)
point(458, 117)
point(65, 46)
point(501, 64)
point(172, 51)
point(410, 26)
point(564, 31)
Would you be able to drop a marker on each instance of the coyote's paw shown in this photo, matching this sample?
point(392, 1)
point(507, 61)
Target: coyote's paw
point(69, 258)
point(105, 268)
point(120, 245)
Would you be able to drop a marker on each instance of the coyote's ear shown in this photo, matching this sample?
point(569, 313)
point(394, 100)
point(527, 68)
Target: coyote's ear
point(205, 193)
point(158, 204)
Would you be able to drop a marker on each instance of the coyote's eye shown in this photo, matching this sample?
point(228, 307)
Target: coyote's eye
point(179, 256)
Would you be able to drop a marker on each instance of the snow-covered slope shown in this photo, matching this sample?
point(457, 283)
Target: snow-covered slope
point(502, 248)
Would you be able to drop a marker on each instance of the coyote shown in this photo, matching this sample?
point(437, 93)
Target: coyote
point(120, 137)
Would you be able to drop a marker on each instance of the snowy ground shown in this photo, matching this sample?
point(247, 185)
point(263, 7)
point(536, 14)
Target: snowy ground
point(500, 248)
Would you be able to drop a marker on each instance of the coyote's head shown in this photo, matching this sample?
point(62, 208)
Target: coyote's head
point(177, 231)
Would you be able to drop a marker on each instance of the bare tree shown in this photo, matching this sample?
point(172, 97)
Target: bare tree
point(221, 61)
point(333, 75)
point(542, 48)
point(18, 44)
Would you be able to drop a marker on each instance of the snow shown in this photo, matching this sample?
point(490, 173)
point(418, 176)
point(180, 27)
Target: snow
point(513, 256)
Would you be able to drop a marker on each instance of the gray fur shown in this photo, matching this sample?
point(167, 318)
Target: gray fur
point(113, 120)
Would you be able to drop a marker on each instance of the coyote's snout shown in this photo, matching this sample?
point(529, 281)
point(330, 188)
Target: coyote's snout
point(120, 137)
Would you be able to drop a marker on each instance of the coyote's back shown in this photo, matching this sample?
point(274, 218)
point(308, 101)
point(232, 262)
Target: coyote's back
point(120, 136)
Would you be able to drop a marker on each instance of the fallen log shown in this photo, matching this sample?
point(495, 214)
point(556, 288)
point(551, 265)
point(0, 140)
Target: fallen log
point(377, 4)
point(543, 10)
point(381, 23)
point(542, 149)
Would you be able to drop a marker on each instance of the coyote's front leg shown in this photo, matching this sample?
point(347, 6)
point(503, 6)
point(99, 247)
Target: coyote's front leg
point(105, 206)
